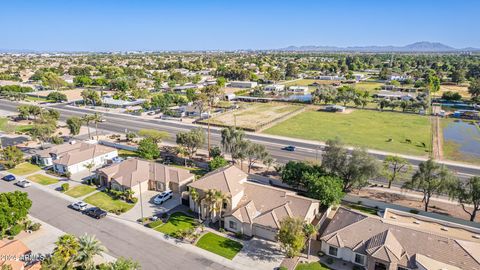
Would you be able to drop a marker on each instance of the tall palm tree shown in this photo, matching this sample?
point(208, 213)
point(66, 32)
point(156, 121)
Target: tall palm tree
point(195, 198)
point(210, 202)
point(218, 199)
point(89, 248)
point(87, 119)
point(96, 118)
point(309, 231)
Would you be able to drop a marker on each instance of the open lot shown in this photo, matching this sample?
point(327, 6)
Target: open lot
point(462, 89)
point(253, 116)
point(24, 169)
point(107, 203)
point(369, 86)
point(42, 179)
point(219, 245)
point(385, 131)
point(307, 82)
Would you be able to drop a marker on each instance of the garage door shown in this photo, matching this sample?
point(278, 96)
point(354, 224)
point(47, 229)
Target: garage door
point(265, 233)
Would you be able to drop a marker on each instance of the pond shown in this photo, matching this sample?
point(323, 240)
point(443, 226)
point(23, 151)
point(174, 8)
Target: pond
point(465, 135)
point(301, 98)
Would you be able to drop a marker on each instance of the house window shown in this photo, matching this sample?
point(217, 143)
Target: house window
point(333, 251)
point(401, 268)
point(359, 259)
point(232, 224)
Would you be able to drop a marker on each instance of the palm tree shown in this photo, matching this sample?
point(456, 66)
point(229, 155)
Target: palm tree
point(89, 167)
point(210, 202)
point(89, 248)
point(195, 197)
point(87, 119)
point(67, 248)
point(96, 118)
point(309, 231)
point(123, 263)
point(128, 193)
point(218, 199)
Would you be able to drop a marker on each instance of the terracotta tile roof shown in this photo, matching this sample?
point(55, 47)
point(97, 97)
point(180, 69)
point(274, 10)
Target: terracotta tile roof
point(376, 237)
point(228, 180)
point(132, 171)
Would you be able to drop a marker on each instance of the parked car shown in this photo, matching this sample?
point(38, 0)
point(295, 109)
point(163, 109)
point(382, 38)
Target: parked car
point(9, 177)
point(163, 197)
point(79, 206)
point(95, 212)
point(23, 183)
point(290, 148)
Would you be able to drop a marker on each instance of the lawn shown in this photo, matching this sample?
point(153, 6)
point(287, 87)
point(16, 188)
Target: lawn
point(3, 122)
point(369, 86)
point(199, 172)
point(24, 169)
point(127, 153)
point(5, 126)
point(178, 221)
point(312, 266)
point(363, 209)
point(219, 245)
point(387, 131)
point(42, 179)
point(108, 203)
point(23, 128)
point(80, 191)
point(307, 82)
point(252, 116)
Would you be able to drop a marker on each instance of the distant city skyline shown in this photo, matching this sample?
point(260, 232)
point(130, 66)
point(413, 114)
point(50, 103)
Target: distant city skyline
point(231, 25)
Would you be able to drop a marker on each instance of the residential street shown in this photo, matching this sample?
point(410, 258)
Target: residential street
point(119, 238)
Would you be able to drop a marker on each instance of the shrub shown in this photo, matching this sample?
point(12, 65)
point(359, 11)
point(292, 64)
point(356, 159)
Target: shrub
point(56, 140)
point(134, 200)
point(222, 230)
point(35, 227)
point(239, 235)
point(14, 230)
point(155, 223)
point(65, 187)
point(164, 215)
point(68, 174)
point(330, 260)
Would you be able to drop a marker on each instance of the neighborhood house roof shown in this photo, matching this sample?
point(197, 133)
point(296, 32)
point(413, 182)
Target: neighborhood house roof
point(260, 204)
point(391, 242)
point(133, 171)
point(70, 154)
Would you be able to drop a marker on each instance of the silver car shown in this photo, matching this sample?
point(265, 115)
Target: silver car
point(163, 197)
point(23, 183)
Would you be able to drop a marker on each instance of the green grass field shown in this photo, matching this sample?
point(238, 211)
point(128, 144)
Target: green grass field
point(386, 131)
point(107, 203)
point(178, 221)
point(80, 191)
point(42, 179)
point(219, 245)
point(127, 153)
point(24, 169)
point(5, 126)
point(369, 86)
point(312, 266)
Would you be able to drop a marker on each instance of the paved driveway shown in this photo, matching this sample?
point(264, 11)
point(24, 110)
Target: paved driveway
point(149, 208)
point(259, 254)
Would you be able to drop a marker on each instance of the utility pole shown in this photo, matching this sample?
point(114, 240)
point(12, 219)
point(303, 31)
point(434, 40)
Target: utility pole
point(141, 200)
point(208, 139)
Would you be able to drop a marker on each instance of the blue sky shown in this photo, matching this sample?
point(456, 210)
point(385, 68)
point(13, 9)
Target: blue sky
point(233, 24)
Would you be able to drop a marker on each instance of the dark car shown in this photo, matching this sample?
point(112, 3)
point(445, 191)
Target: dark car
point(9, 177)
point(290, 148)
point(95, 212)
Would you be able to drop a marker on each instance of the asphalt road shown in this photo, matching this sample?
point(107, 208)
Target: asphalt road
point(120, 239)
point(305, 150)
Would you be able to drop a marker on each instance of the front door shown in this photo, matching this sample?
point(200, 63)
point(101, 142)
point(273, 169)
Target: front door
point(380, 266)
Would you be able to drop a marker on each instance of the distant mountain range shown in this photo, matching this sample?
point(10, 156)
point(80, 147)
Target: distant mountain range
point(423, 46)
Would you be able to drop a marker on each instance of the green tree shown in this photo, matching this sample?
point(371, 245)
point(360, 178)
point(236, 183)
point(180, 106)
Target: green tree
point(124, 264)
point(83, 80)
point(468, 194)
point(57, 96)
point(430, 178)
point(14, 207)
point(191, 140)
point(309, 230)
point(221, 81)
point(474, 89)
point(52, 80)
point(231, 138)
point(89, 247)
point(326, 189)
point(291, 236)
point(395, 167)
point(41, 132)
point(255, 152)
point(217, 162)
point(11, 156)
point(67, 247)
point(215, 152)
point(74, 125)
point(355, 168)
point(148, 149)
point(292, 173)
point(195, 196)
point(91, 97)
point(156, 135)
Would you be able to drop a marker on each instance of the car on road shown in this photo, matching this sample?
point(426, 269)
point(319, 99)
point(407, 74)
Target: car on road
point(79, 206)
point(290, 148)
point(95, 212)
point(23, 183)
point(163, 197)
point(9, 177)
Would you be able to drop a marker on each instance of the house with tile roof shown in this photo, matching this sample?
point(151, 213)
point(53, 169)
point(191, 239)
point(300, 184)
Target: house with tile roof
point(137, 174)
point(250, 208)
point(399, 241)
point(74, 156)
point(14, 255)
